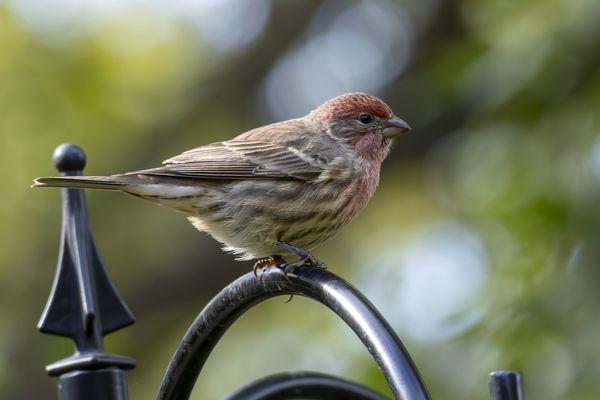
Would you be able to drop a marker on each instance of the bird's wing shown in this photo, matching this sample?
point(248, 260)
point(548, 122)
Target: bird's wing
point(240, 159)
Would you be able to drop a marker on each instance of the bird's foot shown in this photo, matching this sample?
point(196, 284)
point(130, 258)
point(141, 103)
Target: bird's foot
point(287, 268)
point(306, 258)
point(265, 262)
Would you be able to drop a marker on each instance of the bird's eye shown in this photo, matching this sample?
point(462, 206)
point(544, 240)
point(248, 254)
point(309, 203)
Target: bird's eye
point(365, 119)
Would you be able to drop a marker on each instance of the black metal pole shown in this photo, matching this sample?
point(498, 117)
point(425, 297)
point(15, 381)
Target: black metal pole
point(506, 385)
point(323, 286)
point(84, 304)
point(304, 385)
point(106, 383)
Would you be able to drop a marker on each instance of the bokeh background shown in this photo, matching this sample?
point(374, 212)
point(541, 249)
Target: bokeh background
point(481, 245)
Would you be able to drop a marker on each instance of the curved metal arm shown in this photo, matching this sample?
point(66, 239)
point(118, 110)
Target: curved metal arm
point(304, 385)
point(323, 286)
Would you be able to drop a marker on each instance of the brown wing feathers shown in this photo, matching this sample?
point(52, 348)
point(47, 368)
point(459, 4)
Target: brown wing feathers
point(241, 159)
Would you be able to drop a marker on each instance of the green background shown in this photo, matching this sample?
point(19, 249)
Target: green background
point(480, 246)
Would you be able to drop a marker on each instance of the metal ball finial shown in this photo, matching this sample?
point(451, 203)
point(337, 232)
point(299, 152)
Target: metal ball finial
point(69, 157)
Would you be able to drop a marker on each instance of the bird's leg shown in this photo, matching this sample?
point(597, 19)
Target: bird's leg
point(306, 256)
point(267, 262)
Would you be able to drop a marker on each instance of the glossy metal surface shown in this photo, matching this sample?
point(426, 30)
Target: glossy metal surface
point(323, 286)
point(105, 384)
point(83, 304)
point(304, 385)
point(506, 385)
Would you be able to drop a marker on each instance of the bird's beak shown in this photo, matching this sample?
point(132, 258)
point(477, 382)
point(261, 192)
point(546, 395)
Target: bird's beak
point(394, 126)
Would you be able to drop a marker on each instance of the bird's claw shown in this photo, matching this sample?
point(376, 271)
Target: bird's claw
point(306, 258)
point(266, 262)
point(314, 262)
point(277, 262)
point(287, 269)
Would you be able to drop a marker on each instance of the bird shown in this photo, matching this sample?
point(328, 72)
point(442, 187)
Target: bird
point(276, 191)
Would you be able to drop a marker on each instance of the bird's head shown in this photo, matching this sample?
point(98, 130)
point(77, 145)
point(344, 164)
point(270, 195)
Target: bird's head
point(362, 121)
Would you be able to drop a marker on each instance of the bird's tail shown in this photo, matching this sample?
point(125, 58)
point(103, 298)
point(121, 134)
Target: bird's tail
point(81, 182)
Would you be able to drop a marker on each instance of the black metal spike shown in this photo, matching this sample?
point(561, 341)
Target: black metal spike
point(83, 304)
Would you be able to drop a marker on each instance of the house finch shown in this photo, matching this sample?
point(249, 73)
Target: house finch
point(273, 191)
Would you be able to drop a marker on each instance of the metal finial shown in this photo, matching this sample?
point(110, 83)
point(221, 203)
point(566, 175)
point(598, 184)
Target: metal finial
point(83, 304)
point(69, 157)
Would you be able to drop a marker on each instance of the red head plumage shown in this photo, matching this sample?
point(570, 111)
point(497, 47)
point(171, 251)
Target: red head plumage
point(353, 104)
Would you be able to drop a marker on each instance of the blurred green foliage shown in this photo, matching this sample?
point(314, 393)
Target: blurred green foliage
point(480, 246)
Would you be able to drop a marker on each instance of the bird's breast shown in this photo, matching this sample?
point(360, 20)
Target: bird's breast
point(360, 190)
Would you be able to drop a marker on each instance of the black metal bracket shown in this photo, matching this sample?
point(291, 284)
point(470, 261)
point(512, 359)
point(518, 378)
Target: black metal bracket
point(304, 385)
point(83, 304)
point(343, 299)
